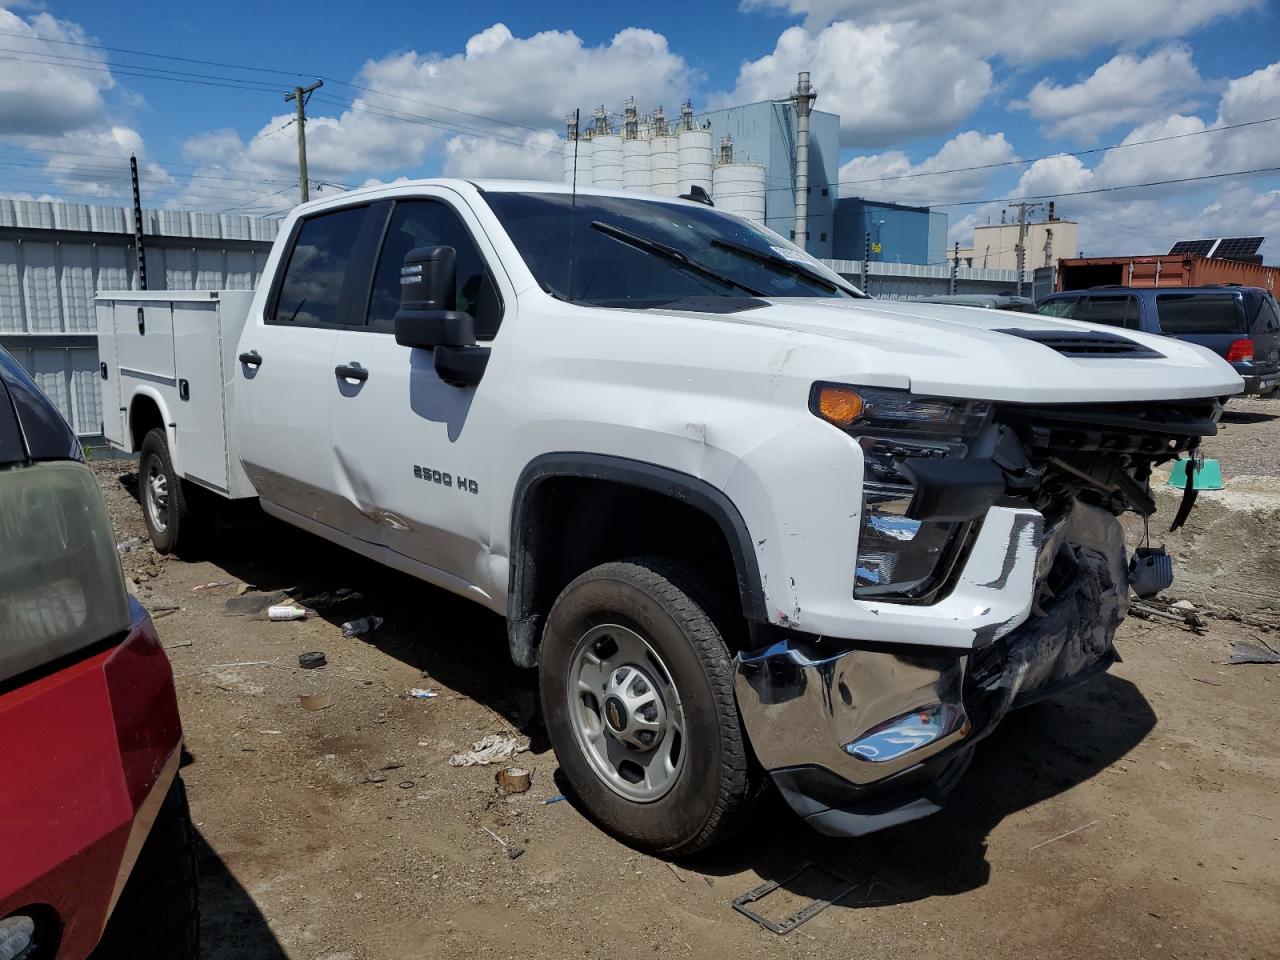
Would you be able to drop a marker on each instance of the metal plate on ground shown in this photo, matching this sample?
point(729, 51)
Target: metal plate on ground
point(838, 889)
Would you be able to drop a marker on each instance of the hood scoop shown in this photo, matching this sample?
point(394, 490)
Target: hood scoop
point(1092, 345)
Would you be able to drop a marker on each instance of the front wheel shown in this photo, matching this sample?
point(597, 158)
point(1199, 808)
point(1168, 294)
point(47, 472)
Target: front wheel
point(637, 690)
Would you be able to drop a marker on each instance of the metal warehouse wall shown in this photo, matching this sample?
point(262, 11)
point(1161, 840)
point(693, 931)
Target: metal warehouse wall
point(55, 256)
point(907, 281)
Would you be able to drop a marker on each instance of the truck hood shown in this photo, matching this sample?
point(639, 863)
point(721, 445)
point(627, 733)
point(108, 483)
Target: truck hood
point(947, 350)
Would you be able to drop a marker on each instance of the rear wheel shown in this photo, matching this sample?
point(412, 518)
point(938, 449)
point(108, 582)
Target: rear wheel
point(158, 914)
point(637, 690)
point(164, 503)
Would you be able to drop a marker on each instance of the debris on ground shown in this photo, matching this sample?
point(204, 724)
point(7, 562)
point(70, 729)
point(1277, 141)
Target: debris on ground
point(211, 585)
point(286, 611)
point(556, 799)
point(420, 694)
point(513, 780)
point(131, 544)
point(312, 659)
point(253, 604)
point(1243, 651)
point(491, 749)
point(316, 701)
point(163, 611)
point(330, 598)
point(1181, 611)
point(361, 627)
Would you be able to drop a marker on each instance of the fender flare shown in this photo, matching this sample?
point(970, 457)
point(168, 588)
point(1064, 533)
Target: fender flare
point(154, 395)
point(524, 623)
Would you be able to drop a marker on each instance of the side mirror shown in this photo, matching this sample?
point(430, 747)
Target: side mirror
point(428, 290)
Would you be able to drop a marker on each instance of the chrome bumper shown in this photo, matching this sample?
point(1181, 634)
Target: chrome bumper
point(890, 720)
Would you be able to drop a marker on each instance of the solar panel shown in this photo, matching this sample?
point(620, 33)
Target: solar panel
point(1193, 247)
point(1232, 248)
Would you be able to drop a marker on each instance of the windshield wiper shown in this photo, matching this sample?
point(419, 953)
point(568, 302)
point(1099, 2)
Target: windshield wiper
point(782, 265)
point(670, 254)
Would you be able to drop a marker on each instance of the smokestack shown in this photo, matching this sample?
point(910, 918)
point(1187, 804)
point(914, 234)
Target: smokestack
point(802, 99)
point(726, 150)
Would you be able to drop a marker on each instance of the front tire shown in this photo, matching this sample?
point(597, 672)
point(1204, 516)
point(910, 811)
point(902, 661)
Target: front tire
point(164, 503)
point(637, 690)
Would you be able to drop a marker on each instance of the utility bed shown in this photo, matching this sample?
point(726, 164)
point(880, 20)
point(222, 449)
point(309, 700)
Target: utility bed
point(172, 353)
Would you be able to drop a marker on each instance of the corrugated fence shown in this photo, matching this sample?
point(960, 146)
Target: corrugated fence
point(55, 256)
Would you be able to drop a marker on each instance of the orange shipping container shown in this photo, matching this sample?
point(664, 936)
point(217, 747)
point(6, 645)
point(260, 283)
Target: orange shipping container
point(1167, 270)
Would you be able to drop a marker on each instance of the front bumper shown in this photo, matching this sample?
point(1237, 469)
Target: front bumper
point(90, 749)
point(859, 737)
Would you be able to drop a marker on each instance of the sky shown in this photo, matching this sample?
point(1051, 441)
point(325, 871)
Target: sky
point(1042, 98)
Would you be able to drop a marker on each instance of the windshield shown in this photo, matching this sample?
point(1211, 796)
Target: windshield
point(645, 252)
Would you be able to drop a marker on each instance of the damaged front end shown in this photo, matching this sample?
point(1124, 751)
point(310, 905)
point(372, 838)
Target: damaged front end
point(860, 736)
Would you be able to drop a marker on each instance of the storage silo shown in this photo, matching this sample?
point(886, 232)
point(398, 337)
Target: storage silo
point(694, 160)
point(738, 188)
point(606, 161)
point(585, 155)
point(664, 165)
point(635, 165)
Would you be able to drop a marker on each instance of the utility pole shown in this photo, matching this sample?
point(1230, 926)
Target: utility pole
point(955, 267)
point(300, 95)
point(1024, 208)
point(137, 225)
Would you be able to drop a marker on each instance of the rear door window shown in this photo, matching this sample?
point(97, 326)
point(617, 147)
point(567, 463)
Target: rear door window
point(1198, 313)
point(323, 249)
point(1063, 307)
point(1112, 311)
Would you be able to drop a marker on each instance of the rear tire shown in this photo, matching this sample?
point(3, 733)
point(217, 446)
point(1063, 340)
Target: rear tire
point(661, 762)
point(164, 502)
point(158, 914)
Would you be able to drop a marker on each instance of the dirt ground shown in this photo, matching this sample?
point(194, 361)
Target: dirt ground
point(1133, 817)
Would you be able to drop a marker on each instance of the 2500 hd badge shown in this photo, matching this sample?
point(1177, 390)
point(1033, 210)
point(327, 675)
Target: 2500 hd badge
point(445, 479)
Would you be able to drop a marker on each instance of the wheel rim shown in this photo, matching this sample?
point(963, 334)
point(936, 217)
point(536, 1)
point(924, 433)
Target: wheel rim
point(626, 713)
point(155, 486)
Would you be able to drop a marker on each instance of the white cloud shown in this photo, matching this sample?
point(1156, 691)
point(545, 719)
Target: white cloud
point(41, 91)
point(1125, 89)
point(887, 82)
point(537, 158)
point(892, 176)
point(1023, 31)
point(495, 109)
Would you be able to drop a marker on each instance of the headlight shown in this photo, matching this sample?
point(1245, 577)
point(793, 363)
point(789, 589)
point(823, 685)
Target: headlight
point(898, 557)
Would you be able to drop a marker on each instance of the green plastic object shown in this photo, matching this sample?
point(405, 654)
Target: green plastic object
point(1208, 477)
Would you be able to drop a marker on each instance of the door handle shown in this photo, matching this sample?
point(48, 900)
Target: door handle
point(351, 371)
point(251, 358)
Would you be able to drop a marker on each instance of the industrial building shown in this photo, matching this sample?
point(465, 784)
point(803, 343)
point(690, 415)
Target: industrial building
point(54, 257)
point(775, 162)
point(995, 245)
point(889, 232)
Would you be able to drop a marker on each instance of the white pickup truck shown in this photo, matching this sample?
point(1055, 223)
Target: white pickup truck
point(744, 520)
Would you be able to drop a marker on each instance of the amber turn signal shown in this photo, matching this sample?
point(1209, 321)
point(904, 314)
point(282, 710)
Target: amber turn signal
point(839, 405)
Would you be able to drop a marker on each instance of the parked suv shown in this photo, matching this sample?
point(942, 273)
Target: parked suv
point(1241, 324)
point(96, 853)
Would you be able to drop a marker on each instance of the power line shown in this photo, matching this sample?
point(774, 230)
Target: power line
point(1111, 189)
point(1052, 156)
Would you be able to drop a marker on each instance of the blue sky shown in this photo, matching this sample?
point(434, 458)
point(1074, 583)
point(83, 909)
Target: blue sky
point(923, 87)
